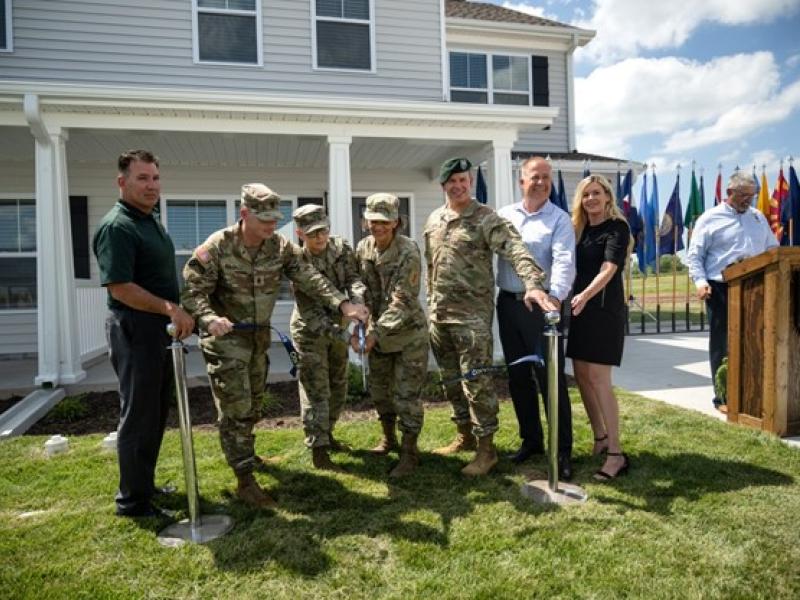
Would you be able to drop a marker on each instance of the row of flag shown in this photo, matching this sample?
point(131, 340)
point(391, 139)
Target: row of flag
point(654, 239)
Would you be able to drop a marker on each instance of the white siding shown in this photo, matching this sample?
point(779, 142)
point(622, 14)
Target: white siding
point(556, 139)
point(149, 43)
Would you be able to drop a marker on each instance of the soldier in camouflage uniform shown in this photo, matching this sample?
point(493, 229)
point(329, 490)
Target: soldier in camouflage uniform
point(234, 277)
point(397, 337)
point(460, 238)
point(318, 331)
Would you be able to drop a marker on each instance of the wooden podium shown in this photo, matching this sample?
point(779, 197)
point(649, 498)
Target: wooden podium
point(764, 341)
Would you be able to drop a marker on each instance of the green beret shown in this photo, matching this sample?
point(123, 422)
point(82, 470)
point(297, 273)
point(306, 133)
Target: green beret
point(452, 166)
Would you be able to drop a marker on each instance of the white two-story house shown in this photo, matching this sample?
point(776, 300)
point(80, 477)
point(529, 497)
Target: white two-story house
point(323, 100)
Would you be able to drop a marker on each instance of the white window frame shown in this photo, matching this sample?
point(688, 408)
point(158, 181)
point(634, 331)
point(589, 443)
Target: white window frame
point(9, 29)
point(224, 11)
point(490, 90)
point(488, 87)
point(370, 22)
point(24, 254)
point(528, 71)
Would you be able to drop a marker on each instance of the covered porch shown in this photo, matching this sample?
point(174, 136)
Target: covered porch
point(57, 146)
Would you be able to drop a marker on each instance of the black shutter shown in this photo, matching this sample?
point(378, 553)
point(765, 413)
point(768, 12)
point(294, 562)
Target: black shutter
point(541, 81)
point(79, 225)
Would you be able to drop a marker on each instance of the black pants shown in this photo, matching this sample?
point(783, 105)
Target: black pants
point(717, 309)
point(138, 350)
point(520, 335)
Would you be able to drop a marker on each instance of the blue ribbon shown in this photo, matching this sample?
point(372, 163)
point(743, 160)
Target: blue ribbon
point(473, 374)
point(285, 340)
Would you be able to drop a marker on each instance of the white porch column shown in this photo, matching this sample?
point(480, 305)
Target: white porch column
point(58, 343)
point(340, 202)
point(502, 175)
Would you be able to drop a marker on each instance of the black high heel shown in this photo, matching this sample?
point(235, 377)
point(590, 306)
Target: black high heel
point(600, 439)
point(603, 476)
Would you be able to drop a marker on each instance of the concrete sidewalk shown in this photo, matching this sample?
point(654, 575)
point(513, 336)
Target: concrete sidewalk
point(671, 368)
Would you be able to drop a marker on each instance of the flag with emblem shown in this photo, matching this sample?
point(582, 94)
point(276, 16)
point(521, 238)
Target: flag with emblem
point(671, 231)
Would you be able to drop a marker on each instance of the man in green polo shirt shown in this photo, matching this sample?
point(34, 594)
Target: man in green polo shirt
point(136, 260)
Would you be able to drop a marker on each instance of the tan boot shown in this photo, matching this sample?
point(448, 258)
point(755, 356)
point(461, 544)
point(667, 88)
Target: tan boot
point(463, 441)
point(249, 492)
point(409, 456)
point(485, 458)
point(389, 440)
point(321, 460)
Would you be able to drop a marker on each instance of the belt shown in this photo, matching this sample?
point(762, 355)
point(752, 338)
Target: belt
point(519, 296)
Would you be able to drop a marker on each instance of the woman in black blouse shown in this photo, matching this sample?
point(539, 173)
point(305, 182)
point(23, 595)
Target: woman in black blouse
point(597, 327)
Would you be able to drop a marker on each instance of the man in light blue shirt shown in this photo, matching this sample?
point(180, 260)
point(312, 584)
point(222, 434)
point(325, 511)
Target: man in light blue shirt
point(722, 236)
point(548, 233)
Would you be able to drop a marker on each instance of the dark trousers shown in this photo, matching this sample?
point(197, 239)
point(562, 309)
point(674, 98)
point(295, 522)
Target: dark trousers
point(138, 350)
point(521, 334)
point(717, 309)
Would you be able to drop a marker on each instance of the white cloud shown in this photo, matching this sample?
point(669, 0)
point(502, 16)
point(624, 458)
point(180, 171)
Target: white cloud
point(536, 11)
point(738, 121)
point(626, 27)
point(639, 96)
point(793, 61)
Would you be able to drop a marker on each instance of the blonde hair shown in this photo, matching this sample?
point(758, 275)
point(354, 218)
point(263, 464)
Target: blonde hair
point(612, 211)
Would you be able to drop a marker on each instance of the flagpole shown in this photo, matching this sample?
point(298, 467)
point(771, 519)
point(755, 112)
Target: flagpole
point(675, 256)
point(658, 262)
point(689, 241)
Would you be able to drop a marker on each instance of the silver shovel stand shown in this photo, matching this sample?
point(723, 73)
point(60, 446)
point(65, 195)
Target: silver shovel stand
point(197, 528)
point(551, 491)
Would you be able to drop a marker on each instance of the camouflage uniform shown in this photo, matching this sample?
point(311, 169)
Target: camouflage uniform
point(317, 331)
point(223, 280)
point(398, 363)
point(460, 286)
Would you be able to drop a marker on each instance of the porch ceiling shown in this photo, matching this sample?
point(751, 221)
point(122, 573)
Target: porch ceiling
point(242, 150)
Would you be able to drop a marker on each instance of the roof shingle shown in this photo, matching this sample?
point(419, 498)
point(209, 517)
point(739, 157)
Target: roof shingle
point(483, 11)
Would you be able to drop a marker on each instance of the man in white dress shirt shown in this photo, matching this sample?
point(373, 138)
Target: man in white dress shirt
point(722, 236)
point(549, 235)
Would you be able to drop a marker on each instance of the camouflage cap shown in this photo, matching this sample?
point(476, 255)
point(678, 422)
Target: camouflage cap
point(382, 207)
point(262, 201)
point(311, 217)
point(452, 166)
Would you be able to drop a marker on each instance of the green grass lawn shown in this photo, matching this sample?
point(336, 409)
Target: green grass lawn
point(708, 510)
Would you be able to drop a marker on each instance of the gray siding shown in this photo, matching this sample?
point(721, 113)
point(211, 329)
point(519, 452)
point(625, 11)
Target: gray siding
point(18, 332)
point(149, 43)
point(556, 139)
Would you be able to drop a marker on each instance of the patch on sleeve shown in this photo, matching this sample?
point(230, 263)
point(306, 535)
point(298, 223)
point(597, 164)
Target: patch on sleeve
point(413, 277)
point(202, 254)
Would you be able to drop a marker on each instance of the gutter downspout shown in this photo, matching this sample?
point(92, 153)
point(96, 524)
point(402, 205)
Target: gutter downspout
point(572, 144)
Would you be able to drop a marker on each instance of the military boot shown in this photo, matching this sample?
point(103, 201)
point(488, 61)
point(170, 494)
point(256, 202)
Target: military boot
point(485, 458)
point(409, 456)
point(321, 460)
point(463, 441)
point(389, 440)
point(249, 492)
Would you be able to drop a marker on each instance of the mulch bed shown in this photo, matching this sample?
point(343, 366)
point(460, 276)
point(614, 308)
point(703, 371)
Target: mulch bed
point(102, 410)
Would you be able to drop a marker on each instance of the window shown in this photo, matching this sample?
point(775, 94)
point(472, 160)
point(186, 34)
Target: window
point(510, 80)
point(343, 34)
point(468, 77)
point(6, 38)
point(227, 31)
point(499, 79)
point(17, 254)
point(360, 226)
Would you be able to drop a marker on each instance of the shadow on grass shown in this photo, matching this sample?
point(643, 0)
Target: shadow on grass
point(658, 481)
point(319, 512)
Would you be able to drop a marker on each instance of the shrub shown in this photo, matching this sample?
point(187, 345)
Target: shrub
point(69, 410)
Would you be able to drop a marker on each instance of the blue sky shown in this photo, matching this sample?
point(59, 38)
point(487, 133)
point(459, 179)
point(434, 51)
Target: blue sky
point(714, 81)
